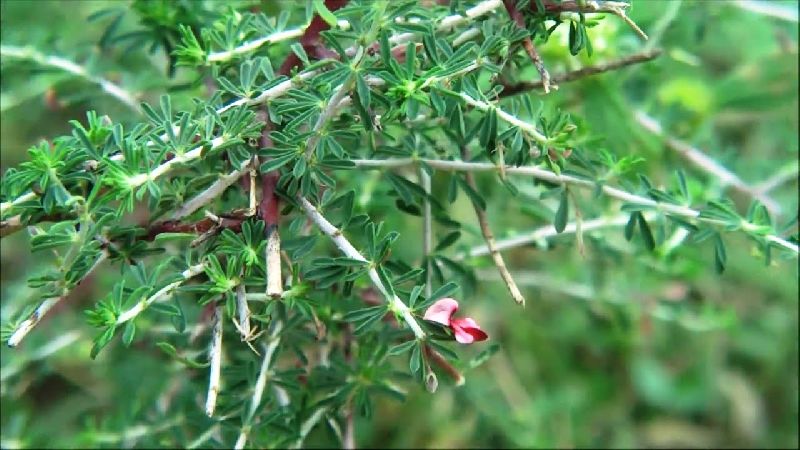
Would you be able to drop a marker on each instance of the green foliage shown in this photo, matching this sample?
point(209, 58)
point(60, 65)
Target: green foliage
point(157, 207)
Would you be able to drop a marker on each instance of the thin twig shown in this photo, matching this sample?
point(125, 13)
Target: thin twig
point(584, 72)
point(69, 66)
point(45, 306)
point(488, 236)
point(163, 292)
point(706, 163)
point(243, 311)
point(261, 382)
point(546, 175)
point(527, 43)
point(784, 175)
point(770, 9)
point(215, 358)
point(17, 364)
point(347, 248)
point(507, 117)
point(211, 193)
point(21, 199)
point(309, 425)
point(283, 35)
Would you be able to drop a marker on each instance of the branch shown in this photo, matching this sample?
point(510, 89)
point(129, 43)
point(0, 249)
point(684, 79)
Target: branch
point(584, 72)
point(527, 43)
point(45, 306)
point(546, 175)
point(215, 356)
point(395, 304)
point(510, 118)
point(706, 163)
point(572, 288)
point(249, 46)
point(110, 88)
point(243, 311)
point(137, 309)
point(785, 174)
point(261, 382)
point(285, 86)
point(195, 153)
point(770, 9)
point(5, 206)
point(488, 236)
point(549, 231)
point(211, 193)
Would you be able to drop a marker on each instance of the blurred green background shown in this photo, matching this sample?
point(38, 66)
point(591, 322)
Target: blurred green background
point(615, 347)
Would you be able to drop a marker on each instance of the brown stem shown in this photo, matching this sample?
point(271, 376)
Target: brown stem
point(205, 225)
point(636, 58)
point(437, 358)
point(488, 236)
point(527, 43)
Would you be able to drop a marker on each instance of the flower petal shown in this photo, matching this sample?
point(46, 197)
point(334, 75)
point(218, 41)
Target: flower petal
point(467, 331)
point(441, 311)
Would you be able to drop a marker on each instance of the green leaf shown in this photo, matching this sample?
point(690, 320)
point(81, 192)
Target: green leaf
point(448, 240)
point(471, 193)
point(647, 235)
point(399, 349)
point(562, 214)
point(415, 360)
point(277, 162)
point(127, 335)
point(720, 254)
point(483, 356)
point(443, 291)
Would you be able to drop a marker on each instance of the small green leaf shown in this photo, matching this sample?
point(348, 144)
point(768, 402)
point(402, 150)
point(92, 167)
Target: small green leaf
point(443, 291)
point(127, 335)
point(415, 360)
point(562, 214)
point(720, 254)
point(325, 13)
point(483, 356)
point(401, 348)
point(448, 240)
point(647, 235)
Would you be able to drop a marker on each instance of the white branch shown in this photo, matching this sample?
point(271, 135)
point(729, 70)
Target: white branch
point(785, 174)
point(140, 179)
point(347, 248)
point(211, 193)
point(255, 44)
point(243, 311)
point(21, 199)
point(273, 258)
point(770, 8)
point(549, 231)
point(36, 316)
point(17, 364)
point(510, 118)
point(137, 309)
point(261, 383)
point(706, 163)
point(215, 357)
point(546, 175)
point(73, 68)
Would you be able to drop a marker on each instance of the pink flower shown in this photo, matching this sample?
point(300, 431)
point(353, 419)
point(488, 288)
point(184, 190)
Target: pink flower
point(465, 330)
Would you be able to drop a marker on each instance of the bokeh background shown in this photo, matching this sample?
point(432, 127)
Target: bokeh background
point(616, 347)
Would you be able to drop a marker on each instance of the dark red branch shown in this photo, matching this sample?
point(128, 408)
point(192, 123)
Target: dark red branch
point(311, 41)
point(233, 222)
